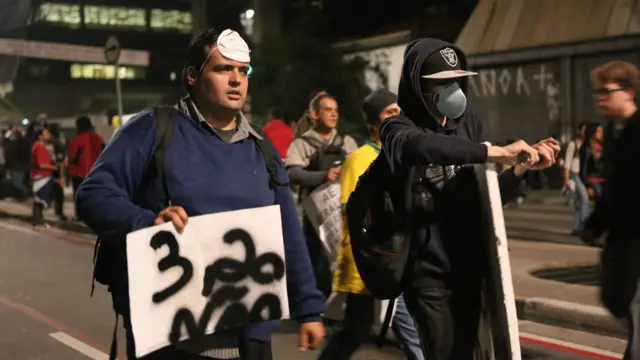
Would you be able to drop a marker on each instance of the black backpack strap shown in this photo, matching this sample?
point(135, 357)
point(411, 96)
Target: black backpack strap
point(386, 323)
point(164, 115)
point(270, 157)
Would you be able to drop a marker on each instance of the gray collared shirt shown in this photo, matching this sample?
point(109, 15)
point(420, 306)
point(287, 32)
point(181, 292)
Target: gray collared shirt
point(244, 128)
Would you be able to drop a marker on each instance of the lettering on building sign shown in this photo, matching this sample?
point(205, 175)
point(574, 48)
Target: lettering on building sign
point(553, 101)
point(511, 81)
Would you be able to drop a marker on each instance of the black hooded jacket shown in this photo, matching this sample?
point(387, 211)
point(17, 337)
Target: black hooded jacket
point(415, 138)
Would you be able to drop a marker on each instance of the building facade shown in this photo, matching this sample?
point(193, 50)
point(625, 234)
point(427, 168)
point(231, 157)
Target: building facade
point(61, 88)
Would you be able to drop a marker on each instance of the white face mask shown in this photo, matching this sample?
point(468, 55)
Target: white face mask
point(451, 102)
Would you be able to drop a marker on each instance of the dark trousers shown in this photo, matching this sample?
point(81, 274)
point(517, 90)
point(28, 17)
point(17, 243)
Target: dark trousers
point(18, 183)
point(356, 328)
point(58, 198)
point(621, 285)
point(37, 214)
point(319, 259)
point(447, 318)
point(75, 184)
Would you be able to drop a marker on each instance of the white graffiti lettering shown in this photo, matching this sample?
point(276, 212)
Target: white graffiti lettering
point(553, 101)
point(522, 88)
point(488, 82)
point(543, 77)
point(505, 81)
point(510, 80)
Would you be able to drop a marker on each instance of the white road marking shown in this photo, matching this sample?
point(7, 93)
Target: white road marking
point(79, 346)
point(572, 345)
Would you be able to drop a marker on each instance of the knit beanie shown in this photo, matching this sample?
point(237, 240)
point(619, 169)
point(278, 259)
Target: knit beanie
point(375, 103)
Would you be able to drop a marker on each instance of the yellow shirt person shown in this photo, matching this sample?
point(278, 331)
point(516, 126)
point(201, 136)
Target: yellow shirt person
point(346, 277)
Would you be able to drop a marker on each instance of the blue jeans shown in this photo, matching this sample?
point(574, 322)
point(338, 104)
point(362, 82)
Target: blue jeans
point(405, 330)
point(582, 206)
point(358, 320)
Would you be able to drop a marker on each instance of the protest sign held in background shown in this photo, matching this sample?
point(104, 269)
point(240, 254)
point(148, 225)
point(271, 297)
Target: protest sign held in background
point(322, 207)
point(224, 271)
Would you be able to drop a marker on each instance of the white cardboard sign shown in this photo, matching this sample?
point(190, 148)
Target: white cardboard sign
point(225, 270)
point(498, 335)
point(322, 207)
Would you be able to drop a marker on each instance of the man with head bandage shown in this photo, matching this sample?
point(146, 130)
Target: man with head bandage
point(216, 161)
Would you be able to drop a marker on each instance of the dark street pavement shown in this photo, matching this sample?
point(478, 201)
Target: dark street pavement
point(46, 312)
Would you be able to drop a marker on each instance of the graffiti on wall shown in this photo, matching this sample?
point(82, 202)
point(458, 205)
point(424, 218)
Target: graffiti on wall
point(518, 101)
point(385, 66)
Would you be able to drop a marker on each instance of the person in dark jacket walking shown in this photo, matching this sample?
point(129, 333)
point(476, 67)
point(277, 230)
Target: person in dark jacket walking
point(213, 164)
point(17, 153)
point(437, 134)
point(616, 86)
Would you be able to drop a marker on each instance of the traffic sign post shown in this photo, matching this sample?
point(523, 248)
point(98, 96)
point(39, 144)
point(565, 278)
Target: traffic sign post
point(112, 55)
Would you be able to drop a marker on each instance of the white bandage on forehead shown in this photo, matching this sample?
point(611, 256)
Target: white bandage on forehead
point(232, 46)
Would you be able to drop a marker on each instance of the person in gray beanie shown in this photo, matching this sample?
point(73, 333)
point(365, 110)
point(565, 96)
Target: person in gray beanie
point(360, 312)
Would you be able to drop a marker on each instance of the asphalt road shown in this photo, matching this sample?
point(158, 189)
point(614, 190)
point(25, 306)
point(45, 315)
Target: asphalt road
point(46, 312)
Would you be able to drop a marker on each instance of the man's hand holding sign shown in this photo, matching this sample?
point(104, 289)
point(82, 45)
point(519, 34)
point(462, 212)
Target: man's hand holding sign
point(261, 297)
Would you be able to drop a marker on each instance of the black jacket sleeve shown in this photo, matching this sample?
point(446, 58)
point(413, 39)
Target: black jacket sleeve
point(408, 145)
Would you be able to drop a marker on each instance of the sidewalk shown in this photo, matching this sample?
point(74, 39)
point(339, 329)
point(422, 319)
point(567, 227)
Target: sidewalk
point(22, 211)
point(554, 302)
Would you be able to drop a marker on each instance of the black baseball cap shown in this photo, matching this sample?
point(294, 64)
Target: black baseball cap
point(444, 64)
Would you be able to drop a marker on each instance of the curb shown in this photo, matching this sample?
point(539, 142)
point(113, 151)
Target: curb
point(593, 319)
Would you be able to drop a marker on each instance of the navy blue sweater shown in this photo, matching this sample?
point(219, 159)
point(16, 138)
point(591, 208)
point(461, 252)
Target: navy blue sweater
point(204, 175)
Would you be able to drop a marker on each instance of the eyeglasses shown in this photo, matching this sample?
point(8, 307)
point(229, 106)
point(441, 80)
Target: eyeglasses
point(605, 91)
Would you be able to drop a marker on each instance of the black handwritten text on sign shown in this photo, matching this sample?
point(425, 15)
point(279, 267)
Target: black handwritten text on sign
point(329, 195)
point(225, 270)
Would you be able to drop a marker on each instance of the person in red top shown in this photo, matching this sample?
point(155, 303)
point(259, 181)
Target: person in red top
point(42, 165)
point(84, 149)
point(279, 132)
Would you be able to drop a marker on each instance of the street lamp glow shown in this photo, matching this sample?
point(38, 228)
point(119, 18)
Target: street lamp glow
point(249, 14)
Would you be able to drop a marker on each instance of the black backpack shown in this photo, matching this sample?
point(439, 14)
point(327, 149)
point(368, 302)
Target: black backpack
point(326, 156)
point(381, 228)
point(108, 257)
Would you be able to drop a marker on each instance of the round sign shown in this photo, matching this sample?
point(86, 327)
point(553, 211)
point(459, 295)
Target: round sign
point(112, 50)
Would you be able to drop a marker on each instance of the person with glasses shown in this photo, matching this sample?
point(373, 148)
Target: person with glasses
point(616, 84)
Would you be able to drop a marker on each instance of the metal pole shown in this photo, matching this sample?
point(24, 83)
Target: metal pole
point(118, 94)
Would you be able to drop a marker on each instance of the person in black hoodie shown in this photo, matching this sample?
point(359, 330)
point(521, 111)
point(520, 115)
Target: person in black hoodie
point(438, 135)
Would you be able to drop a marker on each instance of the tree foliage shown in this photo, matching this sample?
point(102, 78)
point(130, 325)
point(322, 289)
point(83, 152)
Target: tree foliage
point(287, 69)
